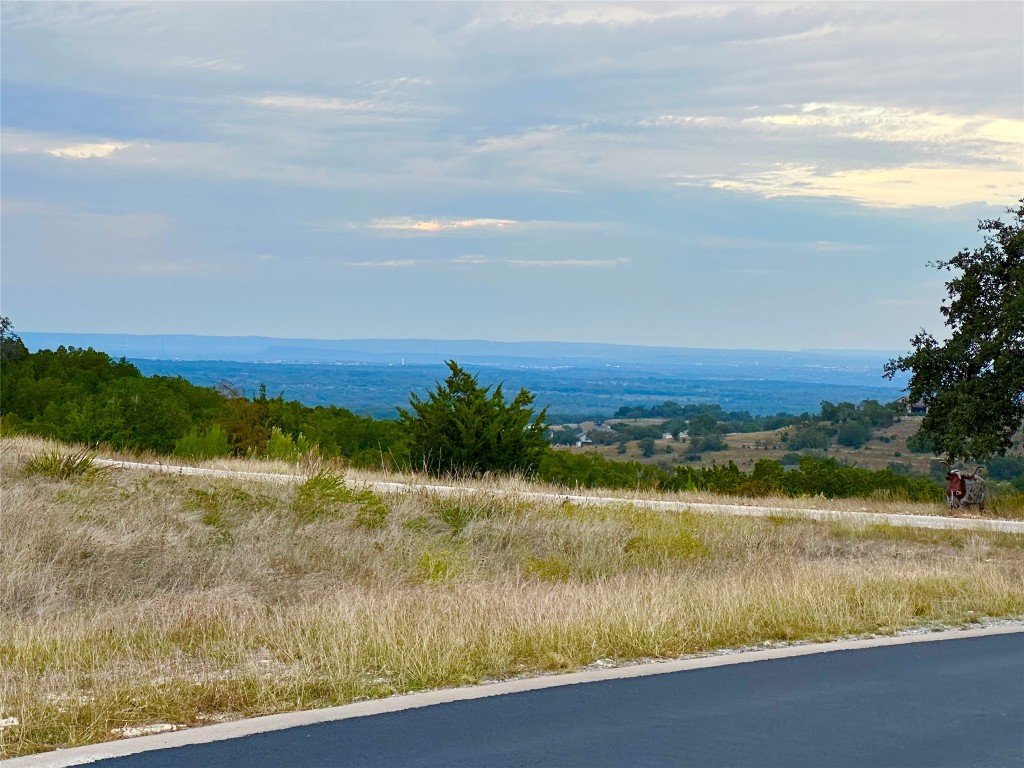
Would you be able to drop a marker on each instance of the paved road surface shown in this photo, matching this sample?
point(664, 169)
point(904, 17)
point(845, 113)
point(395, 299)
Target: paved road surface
point(946, 703)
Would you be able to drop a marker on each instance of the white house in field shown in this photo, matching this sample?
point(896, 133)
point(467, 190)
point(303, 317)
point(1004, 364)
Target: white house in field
point(584, 441)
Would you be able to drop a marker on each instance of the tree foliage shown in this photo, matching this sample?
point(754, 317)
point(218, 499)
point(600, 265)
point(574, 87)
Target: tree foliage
point(466, 429)
point(973, 383)
point(85, 396)
point(11, 345)
point(769, 478)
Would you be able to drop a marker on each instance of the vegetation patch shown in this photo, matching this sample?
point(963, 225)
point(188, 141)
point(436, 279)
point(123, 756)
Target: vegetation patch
point(64, 465)
point(166, 599)
point(547, 568)
point(326, 496)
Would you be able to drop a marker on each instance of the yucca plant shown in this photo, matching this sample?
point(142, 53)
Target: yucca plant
point(64, 466)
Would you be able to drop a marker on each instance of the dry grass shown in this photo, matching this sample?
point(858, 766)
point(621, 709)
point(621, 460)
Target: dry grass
point(134, 598)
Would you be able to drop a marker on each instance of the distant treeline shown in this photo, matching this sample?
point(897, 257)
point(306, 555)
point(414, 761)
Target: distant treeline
point(732, 421)
point(705, 426)
point(84, 396)
point(813, 477)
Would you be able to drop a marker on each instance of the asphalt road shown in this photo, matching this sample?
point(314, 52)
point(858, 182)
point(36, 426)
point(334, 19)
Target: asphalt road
point(946, 703)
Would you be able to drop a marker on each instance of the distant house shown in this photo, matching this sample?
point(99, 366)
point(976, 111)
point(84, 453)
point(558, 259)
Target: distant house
point(584, 440)
point(918, 408)
point(668, 436)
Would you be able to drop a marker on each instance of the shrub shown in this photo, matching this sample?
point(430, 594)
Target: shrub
point(284, 447)
point(209, 444)
point(463, 428)
point(64, 466)
point(853, 434)
point(326, 495)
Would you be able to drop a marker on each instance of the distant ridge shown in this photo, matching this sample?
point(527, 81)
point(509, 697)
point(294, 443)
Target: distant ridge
point(374, 376)
point(274, 349)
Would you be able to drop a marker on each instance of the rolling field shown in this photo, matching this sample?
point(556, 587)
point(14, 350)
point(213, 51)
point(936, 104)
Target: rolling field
point(133, 600)
point(889, 445)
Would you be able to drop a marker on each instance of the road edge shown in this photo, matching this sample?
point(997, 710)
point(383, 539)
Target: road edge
point(63, 758)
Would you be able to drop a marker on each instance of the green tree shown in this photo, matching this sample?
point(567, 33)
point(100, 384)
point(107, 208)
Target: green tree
point(706, 434)
point(853, 434)
point(464, 428)
point(973, 383)
point(11, 345)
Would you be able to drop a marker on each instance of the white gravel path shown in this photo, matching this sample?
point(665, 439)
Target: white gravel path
point(743, 510)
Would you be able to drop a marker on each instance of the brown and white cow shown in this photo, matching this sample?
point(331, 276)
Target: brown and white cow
point(964, 490)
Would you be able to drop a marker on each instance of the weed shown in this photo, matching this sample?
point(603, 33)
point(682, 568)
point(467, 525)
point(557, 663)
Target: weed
point(785, 519)
point(547, 568)
point(457, 513)
point(438, 566)
point(325, 495)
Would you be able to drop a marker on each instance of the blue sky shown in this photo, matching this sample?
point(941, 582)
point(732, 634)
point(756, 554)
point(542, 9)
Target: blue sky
point(761, 176)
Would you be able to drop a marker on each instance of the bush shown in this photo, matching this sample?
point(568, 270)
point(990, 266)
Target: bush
point(809, 436)
point(284, 447)
point(1006, 467)
point(209, 444)
point(64, 466)
point(325, 495)
point(853, 434)
point(463, 428)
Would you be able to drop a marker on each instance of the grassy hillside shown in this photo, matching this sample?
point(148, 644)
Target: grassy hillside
point(131, 599)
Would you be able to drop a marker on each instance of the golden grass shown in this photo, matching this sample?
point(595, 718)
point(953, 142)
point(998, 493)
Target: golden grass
point(134, 598)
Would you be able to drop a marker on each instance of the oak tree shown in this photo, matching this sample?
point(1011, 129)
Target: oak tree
point(973, 383)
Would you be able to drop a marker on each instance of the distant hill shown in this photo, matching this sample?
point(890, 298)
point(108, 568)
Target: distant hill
point(372, 376)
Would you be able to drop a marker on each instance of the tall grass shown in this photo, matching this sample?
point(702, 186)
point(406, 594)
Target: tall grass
point(132, 599)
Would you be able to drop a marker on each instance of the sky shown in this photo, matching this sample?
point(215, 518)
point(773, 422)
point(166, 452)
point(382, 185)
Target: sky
point(765, 175)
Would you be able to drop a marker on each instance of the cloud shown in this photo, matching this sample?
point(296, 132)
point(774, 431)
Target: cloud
point(85, 151)
point(377, 101)
point(999, 137)
point(407, 224)
point(573, 263)
point(388, 263)
point(296, 102)
point(474, 260)
point(526, 15)
point(19, 143)
point(899, 187)
point(209, 65)
point(440, 226)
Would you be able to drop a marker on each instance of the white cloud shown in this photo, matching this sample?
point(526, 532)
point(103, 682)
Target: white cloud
point(85, 151)
point(209, 65)
point(475, 260)
point(1003, 137)
point(574, 14)
point(900, 187)
point(388, 263)
point(408, 224)
point(301, 103)
point(21, 143)
point(572, 263)
point(817, 149)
